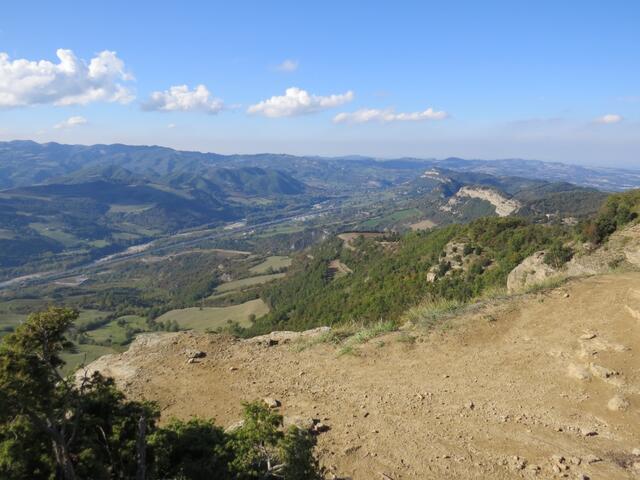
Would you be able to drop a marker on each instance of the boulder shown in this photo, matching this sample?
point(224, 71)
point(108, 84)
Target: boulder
point(531, 271)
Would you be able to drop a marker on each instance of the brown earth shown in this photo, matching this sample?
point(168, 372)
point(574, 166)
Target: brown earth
point(538, 386)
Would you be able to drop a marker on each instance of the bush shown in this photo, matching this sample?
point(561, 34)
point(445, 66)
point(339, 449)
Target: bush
point(558, 254)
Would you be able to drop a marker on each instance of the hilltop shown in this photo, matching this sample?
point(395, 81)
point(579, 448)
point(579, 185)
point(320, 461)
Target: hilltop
point(539, 385)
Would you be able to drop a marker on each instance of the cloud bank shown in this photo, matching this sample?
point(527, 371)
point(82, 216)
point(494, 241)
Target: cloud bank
point(70, 82)
point(296, 102)
point(180, 99)
point(371, 114)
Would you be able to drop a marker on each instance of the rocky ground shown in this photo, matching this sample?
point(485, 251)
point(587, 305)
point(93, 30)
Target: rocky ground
point(538, 386)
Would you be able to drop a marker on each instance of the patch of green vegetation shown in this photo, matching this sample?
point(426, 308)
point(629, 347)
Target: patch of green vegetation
point(119, 331)
point(212, 318)
point(247, 282)
point(99, 243)
point(272, 264)
point(372, 331)
point(548, 284)
point(115, 208)
point(431, 312)
point(46, 230)
point(281, 229)
point(386, 282)
point(617, 211)
point(84, 355)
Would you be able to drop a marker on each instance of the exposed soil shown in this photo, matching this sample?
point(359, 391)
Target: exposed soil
point(545, 386)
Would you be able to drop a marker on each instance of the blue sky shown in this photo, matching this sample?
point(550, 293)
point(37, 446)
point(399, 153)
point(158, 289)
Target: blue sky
point(529, 79)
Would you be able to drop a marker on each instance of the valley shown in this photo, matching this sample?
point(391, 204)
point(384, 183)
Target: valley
point(244, 272)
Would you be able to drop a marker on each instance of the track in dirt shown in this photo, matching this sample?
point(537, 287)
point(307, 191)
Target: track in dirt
point(539, 386)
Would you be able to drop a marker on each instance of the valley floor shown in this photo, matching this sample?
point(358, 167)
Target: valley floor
point(544, 385)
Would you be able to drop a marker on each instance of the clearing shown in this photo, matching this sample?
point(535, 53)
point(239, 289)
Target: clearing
point(423, 225)
point(275, 262)
point(247, 282)
point(216, 317)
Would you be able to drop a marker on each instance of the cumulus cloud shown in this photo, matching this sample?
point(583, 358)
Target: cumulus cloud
point(296, 101)
point(288, 66)
point(180, 99)
point(70, 82)
point(71, 122)
point(372, 114)
point(609, 118)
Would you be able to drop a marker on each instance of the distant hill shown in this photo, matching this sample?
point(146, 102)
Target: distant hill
point(64, 204)
point(26, 163)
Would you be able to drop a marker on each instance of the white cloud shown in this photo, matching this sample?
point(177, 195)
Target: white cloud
point(171, 125)
point(69, 82)
point(296, 101)
point(288, 66)
point(71, 122)
point(180, 99)
point(373, 114)
point(609, 118)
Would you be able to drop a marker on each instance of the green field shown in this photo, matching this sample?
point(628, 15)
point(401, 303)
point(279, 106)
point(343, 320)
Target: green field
point(129, 208)
point(275, 262)
point(85, 354)
point(247, 282)
point(215, 317)
point(67, 239)
point(280, 230)
point(116, 330)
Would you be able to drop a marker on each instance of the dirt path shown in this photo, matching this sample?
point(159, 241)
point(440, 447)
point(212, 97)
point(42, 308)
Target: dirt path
point(495, 394)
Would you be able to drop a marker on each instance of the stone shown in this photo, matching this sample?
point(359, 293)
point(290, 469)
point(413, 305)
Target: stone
point(195, 354)
point(321, 427)
point(302, 423)
point(271, 402)
point(592, 458)
point(617, 403)
point(636, 452)
point(588, 432)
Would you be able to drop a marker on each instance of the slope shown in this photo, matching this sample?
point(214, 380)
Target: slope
point(542, 385)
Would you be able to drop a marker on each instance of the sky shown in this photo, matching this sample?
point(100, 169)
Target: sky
point(548, 80)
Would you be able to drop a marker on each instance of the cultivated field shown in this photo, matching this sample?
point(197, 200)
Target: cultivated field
point(275, 262)
point(247, 282)
point(215, 317)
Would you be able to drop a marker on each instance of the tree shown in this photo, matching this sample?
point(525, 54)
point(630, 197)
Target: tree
point(79, 427)
point(263, 451)
point(192, 450)
point(83, 427)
